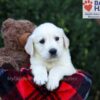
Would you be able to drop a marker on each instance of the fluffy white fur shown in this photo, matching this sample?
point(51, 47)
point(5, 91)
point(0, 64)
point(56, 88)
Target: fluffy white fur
point(46, 69)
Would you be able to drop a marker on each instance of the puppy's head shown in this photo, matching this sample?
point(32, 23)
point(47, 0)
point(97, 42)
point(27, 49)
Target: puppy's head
point(47, 41)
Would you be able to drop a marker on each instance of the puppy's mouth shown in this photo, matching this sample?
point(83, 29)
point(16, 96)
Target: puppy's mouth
point(52, 58)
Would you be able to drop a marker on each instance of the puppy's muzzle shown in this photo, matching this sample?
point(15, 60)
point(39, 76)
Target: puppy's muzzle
point(53, 52)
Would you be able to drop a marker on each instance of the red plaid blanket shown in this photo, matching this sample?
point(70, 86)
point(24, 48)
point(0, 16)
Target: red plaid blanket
point(16, 85)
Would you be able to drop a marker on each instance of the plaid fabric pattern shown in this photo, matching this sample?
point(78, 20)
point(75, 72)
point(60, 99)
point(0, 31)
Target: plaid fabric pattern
point(20, 86)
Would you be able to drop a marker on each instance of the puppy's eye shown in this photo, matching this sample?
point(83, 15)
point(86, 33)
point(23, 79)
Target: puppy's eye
point(42, 41)
point(57, 38)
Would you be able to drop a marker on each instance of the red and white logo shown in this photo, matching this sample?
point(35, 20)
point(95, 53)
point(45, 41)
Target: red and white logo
point(87, 5)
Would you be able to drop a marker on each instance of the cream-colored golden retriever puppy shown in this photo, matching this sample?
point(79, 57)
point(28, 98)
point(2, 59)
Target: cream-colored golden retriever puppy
point(50, 59)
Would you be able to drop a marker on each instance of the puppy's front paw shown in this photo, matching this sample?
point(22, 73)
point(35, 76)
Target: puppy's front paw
point(40, 79)
point(52, 84)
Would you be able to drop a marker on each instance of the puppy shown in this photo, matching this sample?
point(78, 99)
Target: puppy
point(50, 59)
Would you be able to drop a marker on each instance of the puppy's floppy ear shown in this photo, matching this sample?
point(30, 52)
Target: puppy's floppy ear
point(65, 40)
point(29, 46)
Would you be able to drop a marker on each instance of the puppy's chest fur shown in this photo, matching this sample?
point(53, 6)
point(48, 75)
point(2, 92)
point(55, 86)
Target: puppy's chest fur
point(50, 65)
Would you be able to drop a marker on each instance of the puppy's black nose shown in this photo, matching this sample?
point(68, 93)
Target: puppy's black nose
point(53, 51)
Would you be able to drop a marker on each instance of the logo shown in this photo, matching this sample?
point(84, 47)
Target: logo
point(87, 5)
point(91, 9)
